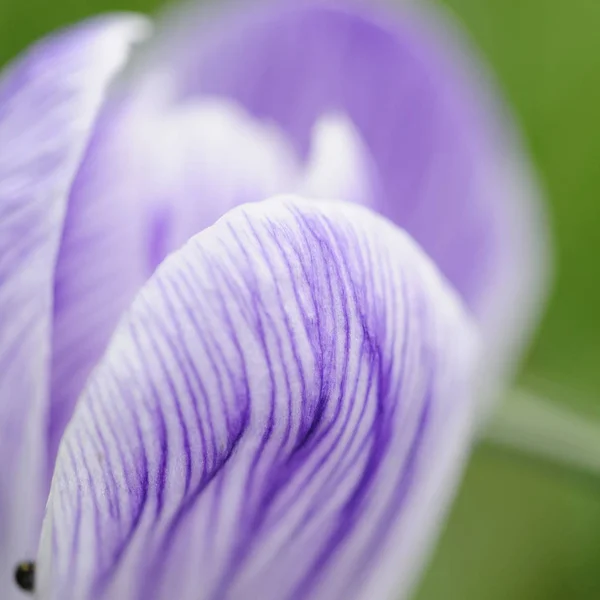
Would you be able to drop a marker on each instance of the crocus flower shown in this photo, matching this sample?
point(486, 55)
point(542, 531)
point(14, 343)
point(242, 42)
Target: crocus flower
point(268, 266)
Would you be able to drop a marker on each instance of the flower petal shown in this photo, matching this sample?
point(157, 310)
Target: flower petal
point(283, 413)
point(140, 194)
point(49, 100)
point(453, 172)
point(155, 174)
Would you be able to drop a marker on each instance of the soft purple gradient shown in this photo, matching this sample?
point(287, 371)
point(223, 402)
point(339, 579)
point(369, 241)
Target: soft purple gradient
point(453, 172)
point(48, 104)
point(282, 414)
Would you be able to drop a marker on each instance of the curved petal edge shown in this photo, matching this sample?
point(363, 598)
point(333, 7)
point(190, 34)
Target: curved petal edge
point(49, 100)
point(283, 413)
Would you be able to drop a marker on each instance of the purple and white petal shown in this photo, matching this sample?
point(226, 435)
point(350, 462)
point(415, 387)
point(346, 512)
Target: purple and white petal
point(155, 174)
point(453, 172)
point(141, 192)
point(283, 413)
point(49, 100)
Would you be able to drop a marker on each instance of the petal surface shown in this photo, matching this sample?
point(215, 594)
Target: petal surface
point(283, 413)
point(453, 173)
point(155, 174)
point(49, 100)
point(141, 193)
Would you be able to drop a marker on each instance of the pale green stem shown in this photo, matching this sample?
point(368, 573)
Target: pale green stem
point(532, 427)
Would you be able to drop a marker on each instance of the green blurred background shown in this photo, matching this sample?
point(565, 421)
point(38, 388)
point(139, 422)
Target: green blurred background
point(514, 533)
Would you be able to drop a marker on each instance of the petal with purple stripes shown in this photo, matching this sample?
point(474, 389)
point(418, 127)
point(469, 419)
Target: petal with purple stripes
point(283, 413)
point(140, 193)
point(49, 100)
point(154, 175)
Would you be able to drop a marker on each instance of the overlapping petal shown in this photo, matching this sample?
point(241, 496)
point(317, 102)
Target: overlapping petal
point(155, 174)
point(49, 100)
point(283, 413)
point(453, 172)
point(141, 192)
point(95, 192)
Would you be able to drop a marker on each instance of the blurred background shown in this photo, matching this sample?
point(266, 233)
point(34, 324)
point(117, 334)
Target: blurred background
point(515, 532)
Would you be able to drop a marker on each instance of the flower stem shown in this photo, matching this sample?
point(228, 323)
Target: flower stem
point(547, 433)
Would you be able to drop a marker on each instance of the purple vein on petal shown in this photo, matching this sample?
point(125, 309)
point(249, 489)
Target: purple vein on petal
point(276, 394)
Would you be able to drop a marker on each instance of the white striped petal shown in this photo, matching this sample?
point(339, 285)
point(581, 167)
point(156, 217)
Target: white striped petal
point(283, 413)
